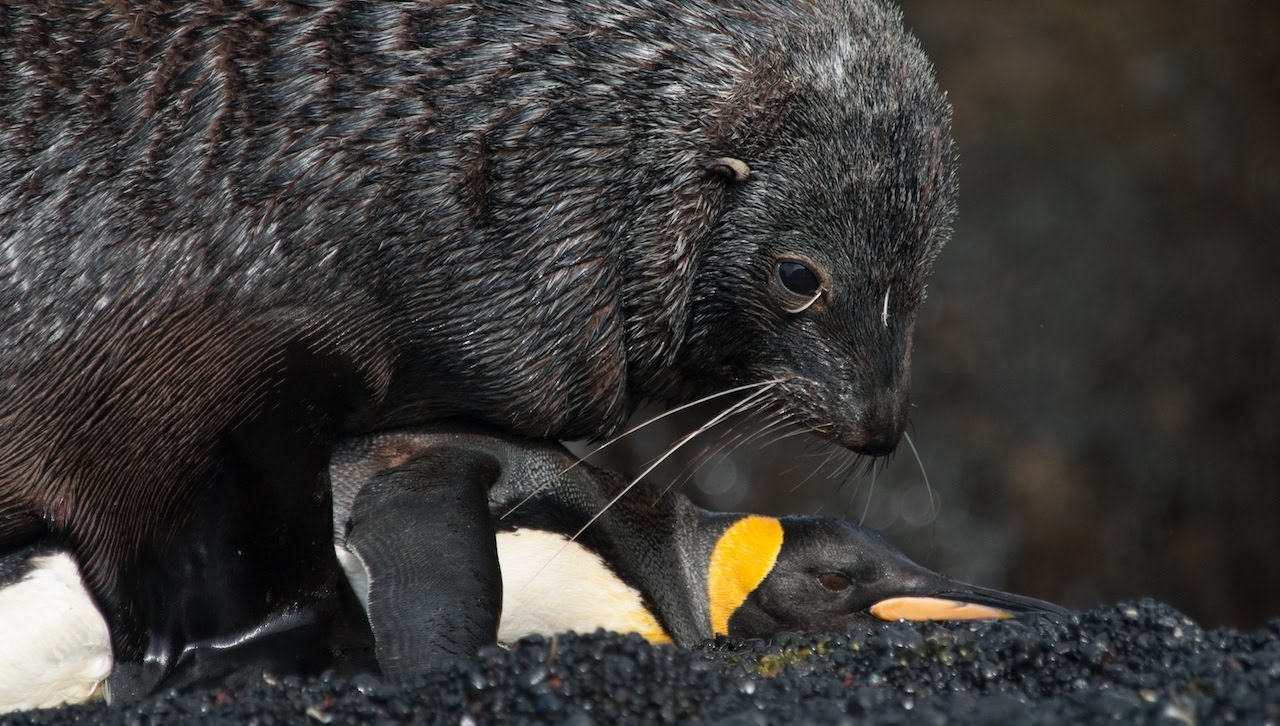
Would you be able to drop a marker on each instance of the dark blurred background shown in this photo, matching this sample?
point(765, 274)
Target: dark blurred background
point(1095, 370)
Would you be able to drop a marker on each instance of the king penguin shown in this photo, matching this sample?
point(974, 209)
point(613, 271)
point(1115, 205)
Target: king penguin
point(648, 563)
point(657, 564)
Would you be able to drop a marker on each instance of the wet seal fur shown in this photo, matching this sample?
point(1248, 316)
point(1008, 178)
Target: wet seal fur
point(231, 232)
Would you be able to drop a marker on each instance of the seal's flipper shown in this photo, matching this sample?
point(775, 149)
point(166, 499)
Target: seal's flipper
point(281, 644)
point(423, 534)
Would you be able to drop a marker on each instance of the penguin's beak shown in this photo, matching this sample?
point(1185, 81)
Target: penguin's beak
point(934, 608)
point(965, 602)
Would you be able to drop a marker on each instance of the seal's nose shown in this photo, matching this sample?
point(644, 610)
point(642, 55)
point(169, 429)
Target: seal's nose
point(879, 443)
point(881, 424)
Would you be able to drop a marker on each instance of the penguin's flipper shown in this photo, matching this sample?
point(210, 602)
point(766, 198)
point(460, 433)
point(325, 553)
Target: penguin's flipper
point(423, 534)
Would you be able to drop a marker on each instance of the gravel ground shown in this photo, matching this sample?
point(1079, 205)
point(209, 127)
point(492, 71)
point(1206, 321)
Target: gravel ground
point(1133, 662)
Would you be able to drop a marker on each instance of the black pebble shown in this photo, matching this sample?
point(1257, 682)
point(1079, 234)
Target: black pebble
point(1134, 662)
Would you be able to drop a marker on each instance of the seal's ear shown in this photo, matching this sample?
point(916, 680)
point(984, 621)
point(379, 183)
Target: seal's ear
point(730, 168)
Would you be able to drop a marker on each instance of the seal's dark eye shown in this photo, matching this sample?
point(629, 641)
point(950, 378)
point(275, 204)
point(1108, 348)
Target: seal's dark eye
point(798, 279)
point(834, 581)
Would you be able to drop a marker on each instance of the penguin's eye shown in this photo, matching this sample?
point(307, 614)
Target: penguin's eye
point(798, 279)
point(834, 581)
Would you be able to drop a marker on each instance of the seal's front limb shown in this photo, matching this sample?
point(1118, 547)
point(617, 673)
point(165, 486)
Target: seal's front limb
point(234, 575)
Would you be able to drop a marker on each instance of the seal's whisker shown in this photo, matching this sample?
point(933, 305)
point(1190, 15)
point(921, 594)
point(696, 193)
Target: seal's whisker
point(850, 464)
point(871, 492)
point(783, 437)
point(819, 444)
point(723, 451)
point(746, 413)
point(769, 424)
point(814, 449)
point(734, 409)
point(924, 474)
point(774, 422)
point(723, 441)
point(718, 449)
point(695, 464)
point(664, 414)
point(834, 450)
point(933, 507)
point(831, 451)
point(853, 497)
point(816, 446)
point(742, 405)
point(779, 421)
point(810, 455)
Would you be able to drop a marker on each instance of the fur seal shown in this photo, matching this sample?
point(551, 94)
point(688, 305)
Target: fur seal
point(660, 567)
point(231, 233)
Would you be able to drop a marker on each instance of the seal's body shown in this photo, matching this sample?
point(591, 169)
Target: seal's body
point(231, 233)
point(652, 564)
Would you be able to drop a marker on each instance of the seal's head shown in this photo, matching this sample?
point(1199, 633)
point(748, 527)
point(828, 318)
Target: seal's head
point(662, 200)
point(837, 203)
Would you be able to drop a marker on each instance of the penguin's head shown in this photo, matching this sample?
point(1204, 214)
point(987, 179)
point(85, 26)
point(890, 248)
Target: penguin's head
point(812, 574)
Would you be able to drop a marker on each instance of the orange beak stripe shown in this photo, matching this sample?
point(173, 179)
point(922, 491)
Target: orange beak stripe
point(932, 608)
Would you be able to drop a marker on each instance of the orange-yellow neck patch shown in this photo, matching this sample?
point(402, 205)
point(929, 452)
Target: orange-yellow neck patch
point(742, 559)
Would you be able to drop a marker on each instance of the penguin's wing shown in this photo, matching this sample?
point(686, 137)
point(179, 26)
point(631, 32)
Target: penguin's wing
point(422, 534)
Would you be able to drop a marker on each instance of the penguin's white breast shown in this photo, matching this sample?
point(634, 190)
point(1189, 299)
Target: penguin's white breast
point(551, 585)
point(55, 647)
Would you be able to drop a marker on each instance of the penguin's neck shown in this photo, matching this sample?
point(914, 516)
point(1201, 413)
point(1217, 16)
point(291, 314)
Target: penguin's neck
point(642, 538)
